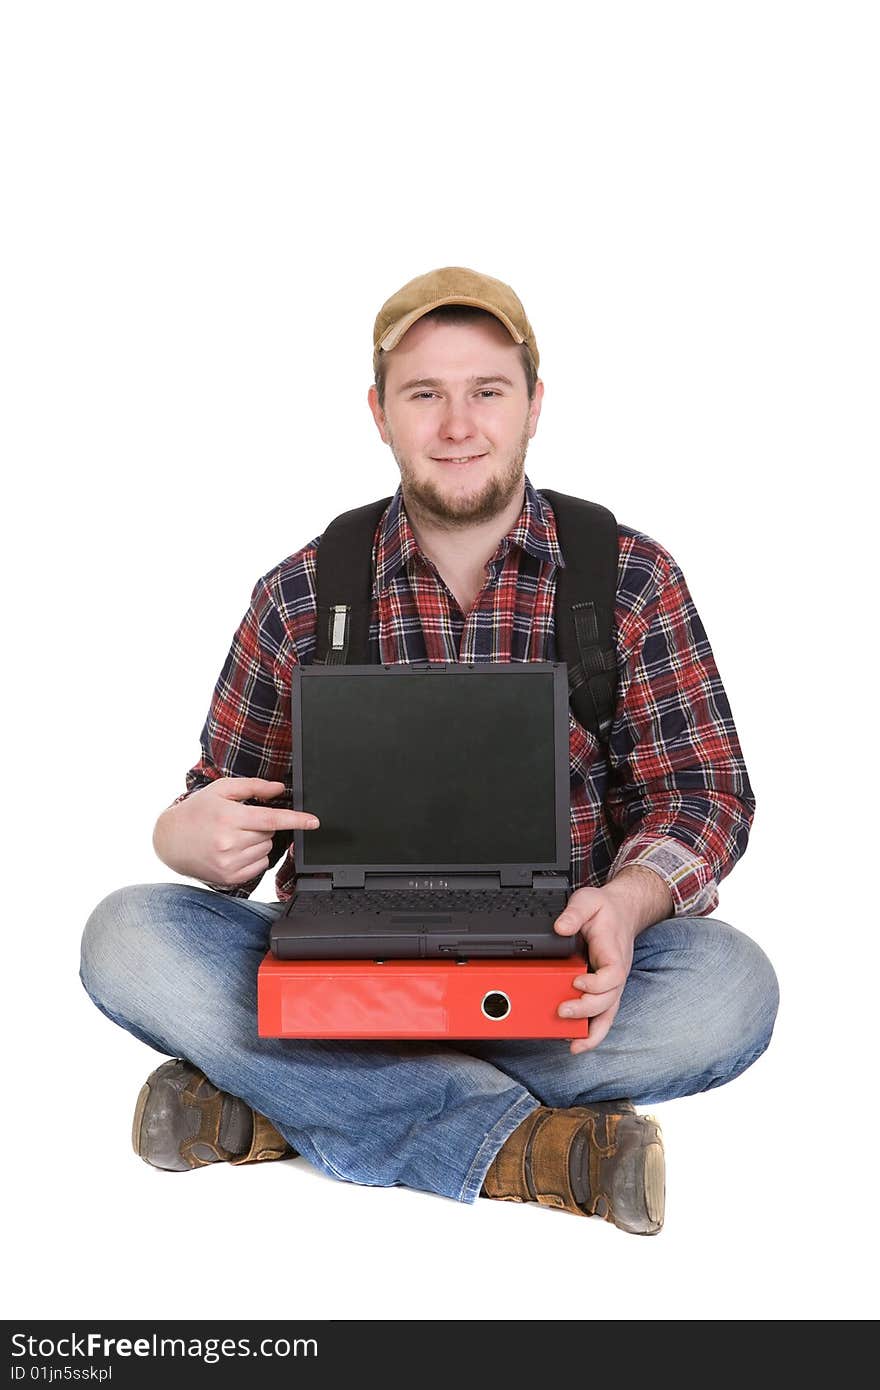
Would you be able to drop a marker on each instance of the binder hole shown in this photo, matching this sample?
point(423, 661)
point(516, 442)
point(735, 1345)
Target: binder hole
point(495, 1004)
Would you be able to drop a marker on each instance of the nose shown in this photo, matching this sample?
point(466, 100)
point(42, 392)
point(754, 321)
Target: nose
point(456, 423)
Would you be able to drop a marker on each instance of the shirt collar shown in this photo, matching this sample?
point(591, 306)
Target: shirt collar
point(534, 531)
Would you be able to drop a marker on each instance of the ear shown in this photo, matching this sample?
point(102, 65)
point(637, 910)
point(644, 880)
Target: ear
point(535, 408)
point(378, 413)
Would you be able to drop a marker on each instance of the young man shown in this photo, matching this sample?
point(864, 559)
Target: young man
point(465, 560)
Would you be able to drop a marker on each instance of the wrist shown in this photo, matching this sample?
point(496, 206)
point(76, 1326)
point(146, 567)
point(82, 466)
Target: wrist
point(642, 895)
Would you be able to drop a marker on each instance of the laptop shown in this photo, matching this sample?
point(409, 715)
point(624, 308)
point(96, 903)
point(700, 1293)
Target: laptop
point(443, 795)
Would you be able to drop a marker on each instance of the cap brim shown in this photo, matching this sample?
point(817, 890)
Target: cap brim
point(392, 336)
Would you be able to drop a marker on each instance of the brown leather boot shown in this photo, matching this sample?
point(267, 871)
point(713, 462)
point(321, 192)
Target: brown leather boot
point(593, 1160)
point(183, 1121)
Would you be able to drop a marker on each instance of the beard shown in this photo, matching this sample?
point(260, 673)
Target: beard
point(427, 504)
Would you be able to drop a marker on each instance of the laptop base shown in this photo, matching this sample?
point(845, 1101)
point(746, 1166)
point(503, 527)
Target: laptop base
point(417, 998)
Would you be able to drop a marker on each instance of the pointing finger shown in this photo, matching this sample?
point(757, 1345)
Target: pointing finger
point(269, 821)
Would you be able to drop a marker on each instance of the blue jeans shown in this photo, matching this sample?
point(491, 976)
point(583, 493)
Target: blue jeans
point(176, 965)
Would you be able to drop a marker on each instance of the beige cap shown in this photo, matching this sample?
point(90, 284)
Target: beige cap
point(452, 284)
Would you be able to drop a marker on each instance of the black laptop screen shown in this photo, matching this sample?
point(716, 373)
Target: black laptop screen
point(438, 768)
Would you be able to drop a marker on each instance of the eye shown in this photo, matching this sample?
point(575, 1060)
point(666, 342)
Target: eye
point(489, 392)
point(422, 395)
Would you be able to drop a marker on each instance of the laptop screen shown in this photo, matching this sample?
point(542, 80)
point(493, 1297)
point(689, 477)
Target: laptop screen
point(437, 767)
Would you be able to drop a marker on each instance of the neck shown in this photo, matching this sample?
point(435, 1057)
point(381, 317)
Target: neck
point(463, 547)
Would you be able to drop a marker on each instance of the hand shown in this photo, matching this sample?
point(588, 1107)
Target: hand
point(215, 837)
point(609, 928)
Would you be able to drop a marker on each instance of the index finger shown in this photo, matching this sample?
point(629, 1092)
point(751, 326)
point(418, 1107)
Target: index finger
point(269, 820)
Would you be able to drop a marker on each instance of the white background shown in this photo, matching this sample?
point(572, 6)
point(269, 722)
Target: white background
point(205, 207)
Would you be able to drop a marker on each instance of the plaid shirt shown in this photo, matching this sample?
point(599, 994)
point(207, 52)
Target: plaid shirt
point(670, 792)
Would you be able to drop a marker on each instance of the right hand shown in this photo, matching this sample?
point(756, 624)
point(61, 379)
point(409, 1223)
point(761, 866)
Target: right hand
point(213, 836)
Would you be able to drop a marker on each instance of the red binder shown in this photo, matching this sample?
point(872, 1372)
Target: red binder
point(417, 998)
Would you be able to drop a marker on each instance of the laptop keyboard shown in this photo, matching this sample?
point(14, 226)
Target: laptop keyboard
point(513, 902)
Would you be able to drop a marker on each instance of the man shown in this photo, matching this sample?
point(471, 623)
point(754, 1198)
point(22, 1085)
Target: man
point(678, 1001)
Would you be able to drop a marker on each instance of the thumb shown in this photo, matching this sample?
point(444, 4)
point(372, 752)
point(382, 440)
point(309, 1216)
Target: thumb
point(583, 904)
point(567, 923)
point(241, 788)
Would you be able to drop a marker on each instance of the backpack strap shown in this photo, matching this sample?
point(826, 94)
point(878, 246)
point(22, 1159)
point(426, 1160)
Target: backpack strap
point(586, 589)
point(344, 586)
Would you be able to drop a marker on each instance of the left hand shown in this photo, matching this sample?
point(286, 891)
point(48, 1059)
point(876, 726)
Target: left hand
point(609, 929)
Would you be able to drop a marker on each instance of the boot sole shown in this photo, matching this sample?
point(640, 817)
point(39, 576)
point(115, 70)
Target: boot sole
point(643, 1208)
point(655, 1184)
point(138, 1120)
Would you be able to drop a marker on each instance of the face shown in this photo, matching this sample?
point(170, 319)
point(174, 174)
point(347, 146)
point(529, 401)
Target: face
point(458, 420)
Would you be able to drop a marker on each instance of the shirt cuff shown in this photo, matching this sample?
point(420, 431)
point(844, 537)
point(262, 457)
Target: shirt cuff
point(686, 875)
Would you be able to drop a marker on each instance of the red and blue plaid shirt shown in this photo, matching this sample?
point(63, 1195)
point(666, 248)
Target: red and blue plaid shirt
point(670, 792)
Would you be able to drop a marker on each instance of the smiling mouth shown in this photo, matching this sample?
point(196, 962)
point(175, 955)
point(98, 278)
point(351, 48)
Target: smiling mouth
point(469, 458)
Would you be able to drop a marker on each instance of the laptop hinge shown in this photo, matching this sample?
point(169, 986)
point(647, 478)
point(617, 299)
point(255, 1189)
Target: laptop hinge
point(313, 883)
point(348, 878)
point(549, 879)
point(513, 876)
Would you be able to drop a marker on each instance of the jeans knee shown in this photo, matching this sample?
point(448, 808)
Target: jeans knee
point(753, 991)
point(113, 937)
point(710, 996)
point(740, 1003)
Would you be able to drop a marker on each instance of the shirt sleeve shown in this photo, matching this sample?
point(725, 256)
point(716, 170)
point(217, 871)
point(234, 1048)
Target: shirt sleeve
point(679, 790)
point(247, 732)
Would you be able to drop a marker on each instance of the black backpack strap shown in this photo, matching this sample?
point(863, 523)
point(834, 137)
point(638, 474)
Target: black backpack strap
point(344, 586)
point(586, 590)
